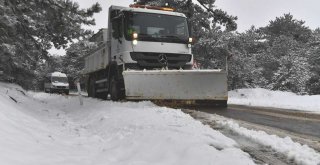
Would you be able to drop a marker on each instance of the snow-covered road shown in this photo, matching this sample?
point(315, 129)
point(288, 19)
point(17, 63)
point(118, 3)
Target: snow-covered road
point(266, 148)
point(51, 129)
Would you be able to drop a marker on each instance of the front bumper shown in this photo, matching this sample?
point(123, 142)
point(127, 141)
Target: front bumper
point(59, 90)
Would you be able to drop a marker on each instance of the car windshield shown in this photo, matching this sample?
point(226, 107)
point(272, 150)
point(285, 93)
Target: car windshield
point(59, 79)
point(156, 27)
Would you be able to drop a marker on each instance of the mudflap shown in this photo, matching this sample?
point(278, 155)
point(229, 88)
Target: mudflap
point(190, 86)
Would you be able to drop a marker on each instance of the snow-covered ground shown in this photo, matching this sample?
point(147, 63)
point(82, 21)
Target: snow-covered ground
point(277, 99)
point(296, 152)
point(39, 128)
point(300, 154)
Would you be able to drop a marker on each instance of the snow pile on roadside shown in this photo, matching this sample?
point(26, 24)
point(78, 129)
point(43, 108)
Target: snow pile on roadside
point(301, 154)
point(277, 99)
point(51, 129)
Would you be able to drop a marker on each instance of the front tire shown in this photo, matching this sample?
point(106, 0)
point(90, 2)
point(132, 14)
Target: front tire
point(91, 89)
point(116, 83)
point(223, 104)
point(114, 90)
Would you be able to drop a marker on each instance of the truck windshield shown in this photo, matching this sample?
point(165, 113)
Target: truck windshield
point(59, 79)
point(156, 27)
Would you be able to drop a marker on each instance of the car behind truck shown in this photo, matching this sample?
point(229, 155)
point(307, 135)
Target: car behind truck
point(145, 54)
point(56, 82)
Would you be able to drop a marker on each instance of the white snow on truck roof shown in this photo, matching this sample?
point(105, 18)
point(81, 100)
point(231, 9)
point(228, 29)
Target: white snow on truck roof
point(144, 10)
point(58, 74)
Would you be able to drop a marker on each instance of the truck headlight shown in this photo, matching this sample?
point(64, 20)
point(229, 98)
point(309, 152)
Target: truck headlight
point(134, 42)
point(135, 35)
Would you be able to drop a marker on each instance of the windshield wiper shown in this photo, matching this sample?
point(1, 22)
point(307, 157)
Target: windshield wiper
point(145, 36)
point(175, 38)
point(172, 37)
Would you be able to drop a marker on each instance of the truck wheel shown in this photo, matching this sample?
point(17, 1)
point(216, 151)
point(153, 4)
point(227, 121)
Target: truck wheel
point(223, 104)
point(187, 67)
point(45, 90)
point(91, 89)
point(114, 89)
point(117, 91)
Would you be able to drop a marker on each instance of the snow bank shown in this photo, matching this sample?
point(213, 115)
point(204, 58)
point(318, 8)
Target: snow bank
point(277, 99)
point(52, 129)
point(301, 154)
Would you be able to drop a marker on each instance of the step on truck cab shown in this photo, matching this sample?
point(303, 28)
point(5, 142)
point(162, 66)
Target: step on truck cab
point(56, 82)
point(145, 54)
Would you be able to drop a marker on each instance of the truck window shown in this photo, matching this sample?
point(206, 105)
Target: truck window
point(156, 27)
point(117, 27)
point(154, 30)
point(59, 79)
point(115, 30)
point(181, 29)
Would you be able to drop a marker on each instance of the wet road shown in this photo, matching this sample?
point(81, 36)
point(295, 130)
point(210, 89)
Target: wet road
point(298, 122)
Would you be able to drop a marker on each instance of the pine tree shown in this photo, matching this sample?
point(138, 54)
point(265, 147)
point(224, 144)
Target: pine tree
point(73, 62)
point(28, 28)
point(286, 25)
point(285, 61)
point(244, 69)
point(313, 84)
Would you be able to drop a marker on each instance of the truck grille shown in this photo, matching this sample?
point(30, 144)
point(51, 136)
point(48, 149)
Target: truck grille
point(151, 60)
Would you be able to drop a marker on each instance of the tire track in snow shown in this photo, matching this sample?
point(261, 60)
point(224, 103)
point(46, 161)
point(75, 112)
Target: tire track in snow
point(262, 152)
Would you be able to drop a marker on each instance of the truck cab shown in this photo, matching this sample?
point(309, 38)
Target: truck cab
point(142, 38)
point(56, 82)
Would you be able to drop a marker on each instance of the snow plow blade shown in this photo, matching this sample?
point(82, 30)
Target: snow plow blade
point(180, 85)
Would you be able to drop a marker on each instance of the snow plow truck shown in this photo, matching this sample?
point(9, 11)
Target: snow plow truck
point(145, 54)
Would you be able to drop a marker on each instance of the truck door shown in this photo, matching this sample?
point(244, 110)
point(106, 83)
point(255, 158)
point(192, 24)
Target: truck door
point(116, 35)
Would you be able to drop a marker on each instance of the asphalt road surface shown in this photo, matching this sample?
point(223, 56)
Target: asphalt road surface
point(299, 122)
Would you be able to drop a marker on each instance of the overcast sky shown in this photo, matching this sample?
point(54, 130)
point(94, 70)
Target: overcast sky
point(260, 12)
point(249, 12)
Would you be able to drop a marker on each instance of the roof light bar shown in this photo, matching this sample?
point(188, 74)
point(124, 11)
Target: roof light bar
point(151, 7)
